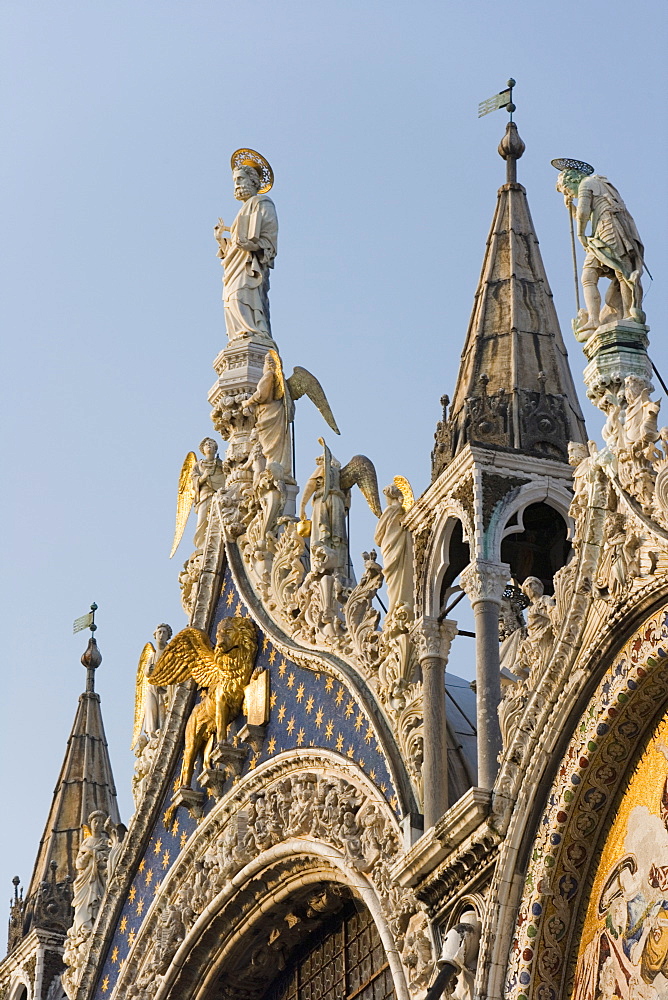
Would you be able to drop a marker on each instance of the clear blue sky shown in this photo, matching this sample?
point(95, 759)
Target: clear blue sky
point(118, 120)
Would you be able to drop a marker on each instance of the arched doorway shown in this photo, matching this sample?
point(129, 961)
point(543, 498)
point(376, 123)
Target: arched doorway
point(344, 960)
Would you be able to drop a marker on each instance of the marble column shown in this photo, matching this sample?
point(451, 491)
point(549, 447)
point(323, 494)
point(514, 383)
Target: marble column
point(484, 582)
point(433, 639)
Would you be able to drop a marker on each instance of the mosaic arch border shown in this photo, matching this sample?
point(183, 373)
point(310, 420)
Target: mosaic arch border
point(245, 895)
point(626, 701)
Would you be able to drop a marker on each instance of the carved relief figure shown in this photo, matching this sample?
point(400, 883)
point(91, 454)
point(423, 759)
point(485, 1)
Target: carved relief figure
point(150, 701)
point(248, 249)
point(535, 649)
point(91, 867)
point(620, 560)
point(222, 672)
point(613, 248)
point(396, 548)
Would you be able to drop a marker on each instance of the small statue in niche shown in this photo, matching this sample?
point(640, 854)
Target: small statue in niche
point(613, 248)
point(534, 651)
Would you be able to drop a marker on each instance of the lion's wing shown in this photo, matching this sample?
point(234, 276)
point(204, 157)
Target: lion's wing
point(189, 654)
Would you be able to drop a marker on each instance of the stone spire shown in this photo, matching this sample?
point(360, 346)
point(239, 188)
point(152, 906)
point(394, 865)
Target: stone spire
point(85, 783)
point(514, 390)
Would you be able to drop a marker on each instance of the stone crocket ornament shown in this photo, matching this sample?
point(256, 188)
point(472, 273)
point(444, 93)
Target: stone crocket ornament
point(222, 672)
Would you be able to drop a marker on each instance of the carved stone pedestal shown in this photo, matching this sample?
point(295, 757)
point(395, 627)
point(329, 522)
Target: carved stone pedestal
point(239, 367)
point(228, 759)
point(615, 351)
point(253, 736)
point(191, 799)
point(213, 779)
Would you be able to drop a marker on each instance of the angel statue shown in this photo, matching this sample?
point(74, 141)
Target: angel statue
point(329, 489)
point(198, 482)
point(613, 248)
point(396, 545)
point(150, 704)
point(223, 672)
point(247, 249)
point(274, 404)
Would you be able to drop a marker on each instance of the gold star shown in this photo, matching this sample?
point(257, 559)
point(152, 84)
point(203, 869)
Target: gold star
point(351, 751)
point(165, 859)
point(252, 763)
point(123, 925)
point(300, 692)
point(291, 725)
point(184, 838)
point(318, 717)
point(265, 643)
point(165, 818)
point(361, 763)
point(300, 737)
point(350, 708)
point(358, 721)
point(329, 730)
point(209, 793)
point(114, 955)
point(317, 677)
point(339, 741)
point(271, 745)
point(149, 876)
point(281, 712)
point(175, 827)
point(291, 680)
point(176, 785)
point(230, 599)
point(131, 938)
point(105, 984)
point(140, 906)
point(309, 704)
point(272, 658)
point(238, 609)
point(156, 887)
point(393, 802)
point(329, 684)
point(282, 667)
point(383, 789)
point(131, 895)
point(158, 846)
point(339, 696)
point(369, 734)
point(142, 865)
point(372, 775)
point(272, 699)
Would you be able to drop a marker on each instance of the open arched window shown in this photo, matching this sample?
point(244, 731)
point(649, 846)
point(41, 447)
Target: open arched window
point(344, 960)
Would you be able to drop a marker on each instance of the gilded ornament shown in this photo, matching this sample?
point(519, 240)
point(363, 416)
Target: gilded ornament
point(184, 499)
point(251, 158)
point(406, 491)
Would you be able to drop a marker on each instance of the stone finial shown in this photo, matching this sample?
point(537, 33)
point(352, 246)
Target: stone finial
point(91, 659)
point(511, 148)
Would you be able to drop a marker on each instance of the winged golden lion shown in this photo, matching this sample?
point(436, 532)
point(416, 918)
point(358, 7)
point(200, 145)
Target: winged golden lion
point(222, 671)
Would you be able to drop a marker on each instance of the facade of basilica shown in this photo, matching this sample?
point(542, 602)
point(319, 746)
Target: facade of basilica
point(322, 810)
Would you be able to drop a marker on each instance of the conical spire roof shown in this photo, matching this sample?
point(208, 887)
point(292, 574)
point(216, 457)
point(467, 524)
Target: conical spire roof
point(85, 783)
point(514, 389)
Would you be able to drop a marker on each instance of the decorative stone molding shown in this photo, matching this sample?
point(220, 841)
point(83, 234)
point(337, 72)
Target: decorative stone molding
point(484, 580)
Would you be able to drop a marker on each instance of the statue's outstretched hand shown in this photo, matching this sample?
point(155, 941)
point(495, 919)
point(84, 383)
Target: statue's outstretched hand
point(584, 241)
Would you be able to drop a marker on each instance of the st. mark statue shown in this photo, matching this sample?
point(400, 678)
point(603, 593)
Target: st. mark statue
point(613, 247)
point(248, 248)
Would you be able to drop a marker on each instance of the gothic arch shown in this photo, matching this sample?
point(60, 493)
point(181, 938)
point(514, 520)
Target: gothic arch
point(238, 877)
point(438, 561)
point(579, 807)
point(550, 493)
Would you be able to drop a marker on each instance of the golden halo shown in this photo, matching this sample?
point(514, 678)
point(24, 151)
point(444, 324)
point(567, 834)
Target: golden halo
point(249, 158)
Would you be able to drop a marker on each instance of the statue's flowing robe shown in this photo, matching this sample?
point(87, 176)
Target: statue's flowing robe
point(204, 492)
point(247, 257)
point(271, 423)
point(615, 242)
point(396, 549)
point(89, 885)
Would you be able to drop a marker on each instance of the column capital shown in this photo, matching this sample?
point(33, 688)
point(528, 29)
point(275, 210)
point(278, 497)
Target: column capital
point(484, 580)
point(433, 638)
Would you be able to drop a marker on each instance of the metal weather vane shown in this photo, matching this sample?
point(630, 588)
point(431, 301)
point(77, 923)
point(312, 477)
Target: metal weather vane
point(504, 99)
point(86, 621)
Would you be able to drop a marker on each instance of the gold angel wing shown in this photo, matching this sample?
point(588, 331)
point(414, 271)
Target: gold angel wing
point(184, 499)
point(302, 383)
point(141, 683)
point(189, 654)
point(361, 471)
point(406, 492)
point(86, 830)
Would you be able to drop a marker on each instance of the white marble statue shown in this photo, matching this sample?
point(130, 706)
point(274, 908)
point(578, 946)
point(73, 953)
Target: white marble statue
point(207, 476)
point(248, 249)
point(535, 649)
point(396, 548)
point(91, 879)
point(155, 697)
point(460, 950)
point(613, 249)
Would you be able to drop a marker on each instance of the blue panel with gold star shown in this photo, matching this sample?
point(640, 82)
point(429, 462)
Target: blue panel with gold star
point(307, 709)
